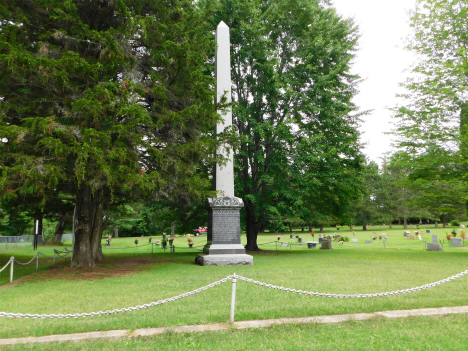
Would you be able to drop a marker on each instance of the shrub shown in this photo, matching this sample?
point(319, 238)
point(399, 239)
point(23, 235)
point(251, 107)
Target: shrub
point(455, 223)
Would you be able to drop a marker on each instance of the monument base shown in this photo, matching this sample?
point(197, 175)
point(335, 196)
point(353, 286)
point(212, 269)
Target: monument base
point(224, 260)
point(224, 249)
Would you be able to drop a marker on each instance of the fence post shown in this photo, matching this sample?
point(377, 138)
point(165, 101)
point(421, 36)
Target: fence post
point(37, 262)
point(276, 246)
point(152, 246)
point(54, 258)
point(12, 262)
point(233, 299)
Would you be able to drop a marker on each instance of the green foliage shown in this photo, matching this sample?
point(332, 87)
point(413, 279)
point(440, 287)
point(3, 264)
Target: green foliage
point(455, 223)
point(104, 102)
point(292, 87)
point(431, 120)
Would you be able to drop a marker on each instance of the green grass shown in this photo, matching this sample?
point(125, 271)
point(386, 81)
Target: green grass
point(348, 270)
point(416, 333)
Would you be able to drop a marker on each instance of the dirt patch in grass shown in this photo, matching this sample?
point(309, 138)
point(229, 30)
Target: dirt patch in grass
point(108, 268)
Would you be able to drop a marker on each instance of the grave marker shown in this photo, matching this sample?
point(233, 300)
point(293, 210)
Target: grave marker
point(224, 246)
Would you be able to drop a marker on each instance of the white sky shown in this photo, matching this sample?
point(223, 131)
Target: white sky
point(381, 61)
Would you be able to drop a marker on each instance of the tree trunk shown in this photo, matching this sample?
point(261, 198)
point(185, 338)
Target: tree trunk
point(436, 224)
point(88, 227)
point(405, 223)
point(60, 227)
point(96, 234)
point(290, 227)
point(252, 231)
point(310, 227)
point(364, 223)
point(82, 257)
point(390, 226)
point(172, 230)
point(321, 228)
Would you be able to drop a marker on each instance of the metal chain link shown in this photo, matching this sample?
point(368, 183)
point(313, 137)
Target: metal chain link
point(9, 261)
point(350, 296)
point(127, 247)
point(117, 310)
point(209, 286)
point(362, 245)
point(25, 264)
point(419, 242)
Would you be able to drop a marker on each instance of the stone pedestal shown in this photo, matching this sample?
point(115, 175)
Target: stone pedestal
point(223, 247)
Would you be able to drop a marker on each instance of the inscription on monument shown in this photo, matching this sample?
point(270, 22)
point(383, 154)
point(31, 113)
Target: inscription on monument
point(226, 226)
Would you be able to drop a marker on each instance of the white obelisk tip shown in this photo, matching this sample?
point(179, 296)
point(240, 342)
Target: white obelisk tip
point(222, 24)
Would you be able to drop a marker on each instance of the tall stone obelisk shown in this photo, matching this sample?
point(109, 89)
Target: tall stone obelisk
point(224, 246)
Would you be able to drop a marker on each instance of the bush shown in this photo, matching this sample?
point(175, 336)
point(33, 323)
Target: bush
point(455, 223)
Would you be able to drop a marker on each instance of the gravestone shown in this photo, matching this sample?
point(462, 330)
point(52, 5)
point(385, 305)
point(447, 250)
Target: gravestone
point(285, 244)
point(327, 243)
point(405, 234)
point(299, 240)
point(428, 231)
point(368, 241)
point(311, 244)
point(456, 242)
point(434, 245)
point(354, 240)
point(411, 237)
point(223, 247)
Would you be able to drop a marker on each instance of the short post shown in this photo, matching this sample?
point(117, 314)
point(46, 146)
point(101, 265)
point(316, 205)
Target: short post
point(152, 246)
point(233, 299)
point(37, 262)
point(385, 246)
point(12, 262)
point(54, 257)
point(276, 246)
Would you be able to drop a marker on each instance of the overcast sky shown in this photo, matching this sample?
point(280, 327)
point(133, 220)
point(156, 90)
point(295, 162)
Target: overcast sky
point(381, 61)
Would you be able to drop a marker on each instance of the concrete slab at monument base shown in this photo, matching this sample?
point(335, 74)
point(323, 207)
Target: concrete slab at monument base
point(224, 260)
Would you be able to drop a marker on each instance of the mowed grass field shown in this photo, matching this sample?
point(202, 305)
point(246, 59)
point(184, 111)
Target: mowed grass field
point(134, 275)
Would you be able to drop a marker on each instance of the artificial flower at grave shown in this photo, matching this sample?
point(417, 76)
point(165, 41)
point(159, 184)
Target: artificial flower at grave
point(279, 237)
point(171, 241)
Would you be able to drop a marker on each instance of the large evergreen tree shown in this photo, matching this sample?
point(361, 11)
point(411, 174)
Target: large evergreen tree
point(101, 99)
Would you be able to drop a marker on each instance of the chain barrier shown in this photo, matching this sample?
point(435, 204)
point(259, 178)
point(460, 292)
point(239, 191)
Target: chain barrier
point(230, 277)
point(115, 311)
point(419, 242)
point(8, 263)
point(25, 264)
point(347, 296)
point(271, 242)
point(362, 245)
point(127, 247)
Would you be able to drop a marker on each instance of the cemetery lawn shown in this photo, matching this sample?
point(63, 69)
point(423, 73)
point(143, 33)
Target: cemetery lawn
point(135, 276)
point(415, 333)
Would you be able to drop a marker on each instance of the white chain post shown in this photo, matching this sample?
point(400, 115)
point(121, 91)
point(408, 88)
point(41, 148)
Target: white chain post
point(233, 299)
point(12, 262)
